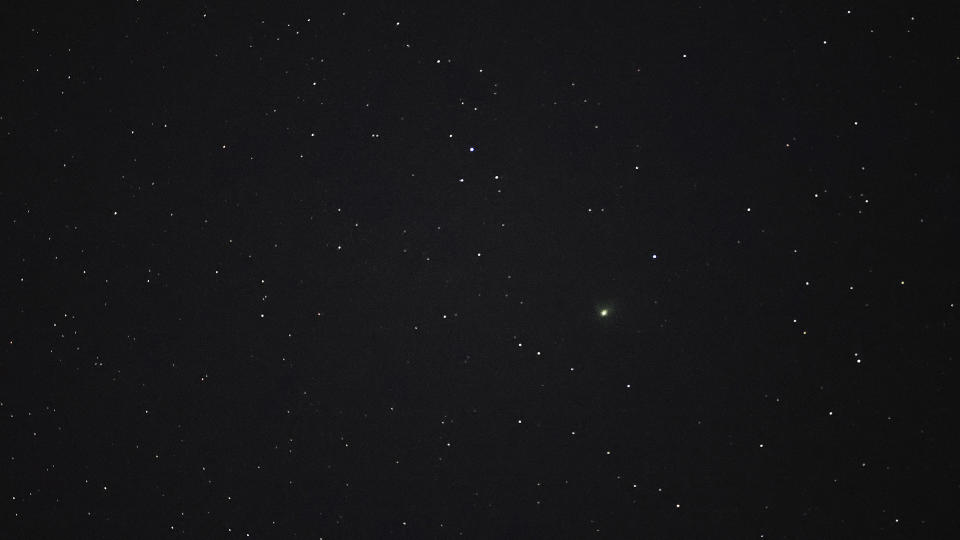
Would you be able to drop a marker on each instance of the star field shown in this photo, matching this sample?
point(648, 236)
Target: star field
point(371, 271)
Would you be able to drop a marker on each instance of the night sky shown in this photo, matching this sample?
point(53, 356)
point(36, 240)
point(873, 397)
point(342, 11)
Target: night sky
point(344, 271)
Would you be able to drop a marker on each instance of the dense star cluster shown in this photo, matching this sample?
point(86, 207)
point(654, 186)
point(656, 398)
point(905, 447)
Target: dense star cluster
point(675, 271)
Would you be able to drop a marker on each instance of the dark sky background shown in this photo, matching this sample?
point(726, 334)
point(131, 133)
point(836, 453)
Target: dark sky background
point(344, 271)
